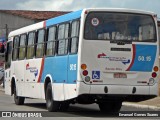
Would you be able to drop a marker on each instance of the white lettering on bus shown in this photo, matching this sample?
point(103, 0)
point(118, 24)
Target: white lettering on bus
point(72, 66)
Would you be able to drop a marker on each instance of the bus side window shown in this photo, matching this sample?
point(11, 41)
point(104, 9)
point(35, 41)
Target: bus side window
point(74, 37)
point(63, 37)
point(50, 47)
point(22, 47)
point(15, 47)
point(30, 45)
point(40, 43)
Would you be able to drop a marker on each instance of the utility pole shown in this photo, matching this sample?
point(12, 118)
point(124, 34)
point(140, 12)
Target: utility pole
point(6, 28)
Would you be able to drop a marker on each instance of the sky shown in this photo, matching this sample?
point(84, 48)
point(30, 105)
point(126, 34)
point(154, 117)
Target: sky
point(72, 5)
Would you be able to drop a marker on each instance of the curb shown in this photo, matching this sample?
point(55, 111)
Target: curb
point(141, 106)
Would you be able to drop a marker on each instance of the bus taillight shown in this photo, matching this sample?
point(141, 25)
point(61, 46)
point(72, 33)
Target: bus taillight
point(85, 72)
point(83, 66)
point(154, 74)
point(155, 69)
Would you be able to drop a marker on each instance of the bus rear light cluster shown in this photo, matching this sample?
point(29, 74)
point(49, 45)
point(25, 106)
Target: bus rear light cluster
point(154, 74)
point(84, 67)
point(85, 72)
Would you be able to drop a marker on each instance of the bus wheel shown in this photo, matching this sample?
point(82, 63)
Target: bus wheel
point(52, 105)
point(18, 100)
point(110, 107)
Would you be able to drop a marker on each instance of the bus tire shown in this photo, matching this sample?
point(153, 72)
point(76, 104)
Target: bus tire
point(17, 99)
point(110, 107)
point(52, 106)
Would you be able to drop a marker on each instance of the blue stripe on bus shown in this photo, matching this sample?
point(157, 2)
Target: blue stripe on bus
point(61, 69)
point(64, 18)
point(72, 70)
point(144, 58)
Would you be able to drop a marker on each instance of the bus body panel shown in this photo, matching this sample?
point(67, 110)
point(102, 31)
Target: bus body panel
point(58, 79)
point(17, 70)
point(70, 87)
point(113, 62)
point(32, 76)
point(135, 60)
point(66, 83)
point(102, 63)
point(19, 73)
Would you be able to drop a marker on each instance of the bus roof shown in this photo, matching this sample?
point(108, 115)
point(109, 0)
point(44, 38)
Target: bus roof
point(125, 10)
point(64, 18)
point(49, 22)
point(71, 16)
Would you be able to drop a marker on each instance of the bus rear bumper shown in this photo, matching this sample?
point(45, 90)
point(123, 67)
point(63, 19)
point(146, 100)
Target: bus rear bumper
point(118, 89)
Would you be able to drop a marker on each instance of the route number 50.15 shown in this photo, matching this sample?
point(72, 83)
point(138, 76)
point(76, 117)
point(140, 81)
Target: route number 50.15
point(144, 58)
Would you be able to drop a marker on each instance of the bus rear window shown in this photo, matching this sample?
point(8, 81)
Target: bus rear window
point(119, 26)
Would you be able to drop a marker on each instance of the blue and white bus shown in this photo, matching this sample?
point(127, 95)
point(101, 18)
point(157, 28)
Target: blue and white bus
point(103, 56)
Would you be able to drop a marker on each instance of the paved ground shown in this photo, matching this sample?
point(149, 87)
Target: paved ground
point(76, 111)
point(153, 104)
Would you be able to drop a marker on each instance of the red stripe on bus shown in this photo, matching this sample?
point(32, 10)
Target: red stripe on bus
point(41, 70)
point(134, 54)
point(44, 24)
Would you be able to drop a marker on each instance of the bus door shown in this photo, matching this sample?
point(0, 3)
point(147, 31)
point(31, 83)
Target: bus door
point(8, 57)
point(70, 89)
point(19, 63)
point(61, 66)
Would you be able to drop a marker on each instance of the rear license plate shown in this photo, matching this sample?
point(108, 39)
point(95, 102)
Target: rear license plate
point(120, 75)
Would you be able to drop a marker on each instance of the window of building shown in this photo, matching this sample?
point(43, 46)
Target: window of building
point(40, 43)
point(15, 47)
point(30, 45)
point(22, 47)
point(63, 37)
point(74, 37)
point(50, 47)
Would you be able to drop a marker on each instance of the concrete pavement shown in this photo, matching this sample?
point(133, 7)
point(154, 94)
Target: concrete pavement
point(1, 87)
point(153, 104)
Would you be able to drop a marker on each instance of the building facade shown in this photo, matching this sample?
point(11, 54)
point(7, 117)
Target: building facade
point(14, 19)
